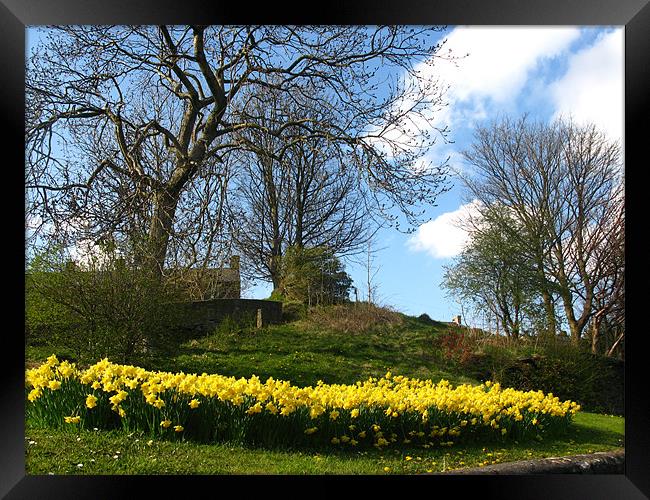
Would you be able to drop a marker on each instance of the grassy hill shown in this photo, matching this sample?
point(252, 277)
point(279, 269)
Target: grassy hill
point(348, 343)
point(318, 348)
point(341, 344)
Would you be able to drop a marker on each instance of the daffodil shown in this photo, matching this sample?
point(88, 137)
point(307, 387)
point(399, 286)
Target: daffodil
point(91, 401)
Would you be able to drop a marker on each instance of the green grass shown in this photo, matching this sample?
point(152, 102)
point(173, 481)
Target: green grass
point(302, 352)
point(113, 452)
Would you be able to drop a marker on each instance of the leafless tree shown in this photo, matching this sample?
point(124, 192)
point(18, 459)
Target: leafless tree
point(128, 127)
point(562, 183)
point(607, 324)
point(294, 191)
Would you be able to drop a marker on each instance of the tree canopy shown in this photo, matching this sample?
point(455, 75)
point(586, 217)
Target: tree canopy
point(129, 129)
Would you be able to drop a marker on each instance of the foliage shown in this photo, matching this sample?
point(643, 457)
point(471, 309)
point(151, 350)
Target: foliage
point(562, 188)
point(557, 366)
point(596, 382)
point(313, 276)
point(376, 412)
point(107, 307)
point(493, 273)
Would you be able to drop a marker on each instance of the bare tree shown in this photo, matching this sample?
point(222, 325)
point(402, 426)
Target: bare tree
point(128, 126)
point(294, 191)
point(607, 324)
point(562, 183)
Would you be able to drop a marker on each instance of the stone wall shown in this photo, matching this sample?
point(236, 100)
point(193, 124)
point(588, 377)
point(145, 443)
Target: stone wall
point(202, 317)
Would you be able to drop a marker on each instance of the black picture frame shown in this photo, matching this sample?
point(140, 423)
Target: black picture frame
point(15, 15)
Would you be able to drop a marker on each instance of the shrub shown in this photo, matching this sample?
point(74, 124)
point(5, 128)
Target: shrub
point(594, 381)
point(293, 311)
point(107, 308)
point(568, 371)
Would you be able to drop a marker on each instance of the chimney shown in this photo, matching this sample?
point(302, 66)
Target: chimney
point(234, 262)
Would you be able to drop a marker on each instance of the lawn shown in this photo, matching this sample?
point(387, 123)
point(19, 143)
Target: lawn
point(302, 352)
point(51, 451)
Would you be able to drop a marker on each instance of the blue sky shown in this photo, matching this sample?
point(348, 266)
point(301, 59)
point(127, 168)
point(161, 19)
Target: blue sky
point(546, 72)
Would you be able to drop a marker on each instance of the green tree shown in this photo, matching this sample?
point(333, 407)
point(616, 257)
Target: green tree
point(313, 276)
point(493, 273)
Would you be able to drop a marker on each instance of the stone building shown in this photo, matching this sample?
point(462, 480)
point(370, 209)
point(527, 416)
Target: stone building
point(211, 283)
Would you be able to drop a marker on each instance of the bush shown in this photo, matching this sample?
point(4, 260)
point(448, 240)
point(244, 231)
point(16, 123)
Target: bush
point(293, 311)
point(568, 371)
point(105, 309)
point(595, 382)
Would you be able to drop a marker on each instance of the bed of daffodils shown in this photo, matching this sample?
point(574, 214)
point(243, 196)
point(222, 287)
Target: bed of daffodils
point(383, 412)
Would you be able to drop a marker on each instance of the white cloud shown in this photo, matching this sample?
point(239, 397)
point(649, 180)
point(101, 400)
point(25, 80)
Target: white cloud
point(494, 65)
point(442, 237)
point(592, 88)
point(491, 67)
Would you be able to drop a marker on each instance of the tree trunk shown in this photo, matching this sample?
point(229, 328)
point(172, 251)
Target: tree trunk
point(160, 230)
point(595, 330)
point(551, 327)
